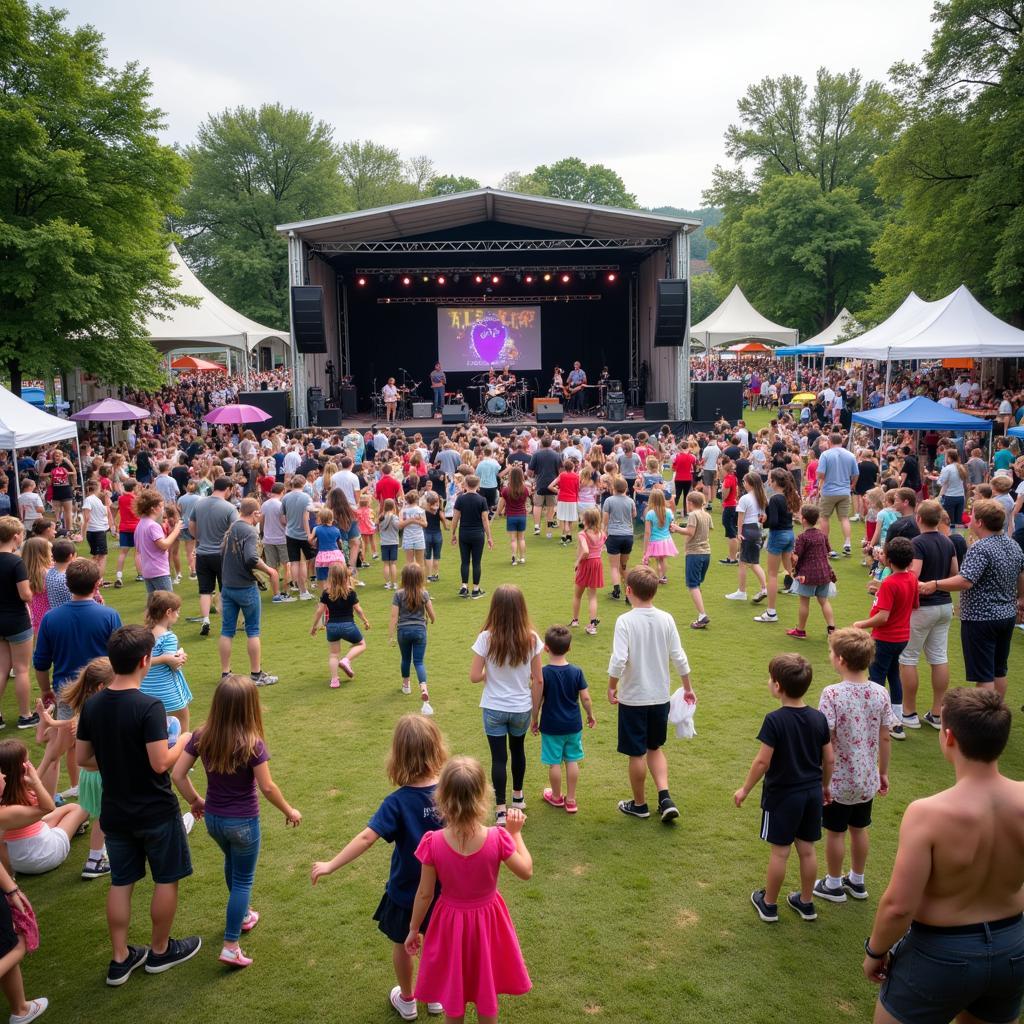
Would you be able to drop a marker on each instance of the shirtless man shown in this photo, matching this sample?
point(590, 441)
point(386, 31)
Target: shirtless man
point(957, 885)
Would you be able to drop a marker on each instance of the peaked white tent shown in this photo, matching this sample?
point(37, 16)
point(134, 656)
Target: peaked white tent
point(24, 426)
point(737, 320)
point(211, 324)
point(843, 326)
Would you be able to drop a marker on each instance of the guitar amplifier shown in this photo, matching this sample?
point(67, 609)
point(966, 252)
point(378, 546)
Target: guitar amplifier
point(422, 410)
point(615, 407)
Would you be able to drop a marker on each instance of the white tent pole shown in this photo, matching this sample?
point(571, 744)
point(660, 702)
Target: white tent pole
point(81, 475)
point(245, 360)
point(888, 374)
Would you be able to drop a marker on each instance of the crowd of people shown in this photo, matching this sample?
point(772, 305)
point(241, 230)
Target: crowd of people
point(314, 515)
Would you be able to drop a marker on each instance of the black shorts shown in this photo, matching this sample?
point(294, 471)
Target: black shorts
point(838, 817)
point(393, 919)
point(618, 545)
point(64, 493)
point(642, 728)
point(208, 569)
point(794, 816)
point(729, 522)
point(164, 847)
point(298, 548)
point(97, 541)
point(8, 936)
point(986, 647)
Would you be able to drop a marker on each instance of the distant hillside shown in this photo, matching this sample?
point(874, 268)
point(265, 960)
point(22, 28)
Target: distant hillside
point(700, 246)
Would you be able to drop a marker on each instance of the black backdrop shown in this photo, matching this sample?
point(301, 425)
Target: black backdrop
point(384, 337)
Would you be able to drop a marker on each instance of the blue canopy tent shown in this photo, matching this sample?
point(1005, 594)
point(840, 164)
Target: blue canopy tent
point(799, 350)
point(920, 413)
point(1015, 432)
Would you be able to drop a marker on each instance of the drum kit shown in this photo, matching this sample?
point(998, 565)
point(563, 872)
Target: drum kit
point(407, 394)
point(499, 400)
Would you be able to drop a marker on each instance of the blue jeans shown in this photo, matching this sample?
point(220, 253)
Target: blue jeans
point(412, 642)
point(438, 398)
point(239, 839)
point(954, 507)
point(240, 599)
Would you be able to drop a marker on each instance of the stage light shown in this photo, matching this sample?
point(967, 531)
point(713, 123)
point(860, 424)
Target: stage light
point(456, 278)
point(425, 279)
point(547, 277)
point(611, 277)
point(362, 282)
point(495, 279)
point(441, 280)
point(478, 279)
point(529, 278)
point(565, 279)
point(407, 280)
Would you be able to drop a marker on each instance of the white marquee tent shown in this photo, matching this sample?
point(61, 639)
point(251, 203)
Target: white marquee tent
point(737, 320)
point(844, 325)
point(912, 310)
point(211, 324)
point(24, 426)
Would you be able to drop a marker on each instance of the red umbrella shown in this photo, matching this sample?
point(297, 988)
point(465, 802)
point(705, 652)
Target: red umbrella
point(192, 363)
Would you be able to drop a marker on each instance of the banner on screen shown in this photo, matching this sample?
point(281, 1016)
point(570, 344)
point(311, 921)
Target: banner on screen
point(471, 338)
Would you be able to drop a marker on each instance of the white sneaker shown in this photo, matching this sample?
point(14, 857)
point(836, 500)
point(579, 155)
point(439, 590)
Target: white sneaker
point(435, 1009)
point(406, 1007)
point(188, 820)
point(406, 688)
point(177, 578)
point(305, 596)
point(521, 561)
point(37, 1007)
point(359, 583)
point(69, 794)
point(736, 595)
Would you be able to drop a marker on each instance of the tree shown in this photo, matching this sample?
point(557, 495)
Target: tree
point(449, 184)
point(952, 185)
point(571, 178)
point(700, 244)
point(373, 175)
point(85, 188)
point(705, 296)
point(252, 170)
point(420, 171)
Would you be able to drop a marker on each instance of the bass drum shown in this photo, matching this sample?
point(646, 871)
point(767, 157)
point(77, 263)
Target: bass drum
point(496, 405)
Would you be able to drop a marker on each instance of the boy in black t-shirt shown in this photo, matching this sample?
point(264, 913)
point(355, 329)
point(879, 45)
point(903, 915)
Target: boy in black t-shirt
point(795, 761)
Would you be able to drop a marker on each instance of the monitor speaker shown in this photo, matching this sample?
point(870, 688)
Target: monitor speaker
point(455, 413)
point(308, 318)
point(670, 326)
point(715, 398)
point(656, 410)
point(422, 410)
point(548, 410)
point(328, 418)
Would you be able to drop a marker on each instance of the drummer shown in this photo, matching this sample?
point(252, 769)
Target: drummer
point(506, 378)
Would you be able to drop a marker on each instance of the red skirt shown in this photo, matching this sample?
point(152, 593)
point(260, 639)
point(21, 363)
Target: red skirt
point(590, 573)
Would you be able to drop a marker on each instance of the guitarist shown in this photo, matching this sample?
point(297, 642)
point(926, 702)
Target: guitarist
point(577, 382)
point(558, 388)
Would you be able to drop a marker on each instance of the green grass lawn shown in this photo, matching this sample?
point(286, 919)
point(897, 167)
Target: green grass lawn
point(623, 919)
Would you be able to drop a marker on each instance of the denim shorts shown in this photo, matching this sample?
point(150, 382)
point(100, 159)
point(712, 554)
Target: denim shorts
point(126, 539)
point(240, 599)
point(156, 583)
point(506, 723)
point(389, 552)
point(813, 590)
point(164, 847)
point(696, 570)
point(515, 524)
point(19, 638)
point(434, 540)
point(347, 631)
point(936, 973)
point(750, 544)
point(780, 541)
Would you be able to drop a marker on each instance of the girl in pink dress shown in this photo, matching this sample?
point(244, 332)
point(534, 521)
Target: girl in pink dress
point(589, 568)
point(471, 953)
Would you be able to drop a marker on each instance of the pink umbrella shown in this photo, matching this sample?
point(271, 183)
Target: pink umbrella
point(239, 413)
point(111, 410)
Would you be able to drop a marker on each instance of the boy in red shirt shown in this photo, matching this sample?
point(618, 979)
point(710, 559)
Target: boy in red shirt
point(730, 498)
point(682, 467)
point(889, 623)
point(387, 486)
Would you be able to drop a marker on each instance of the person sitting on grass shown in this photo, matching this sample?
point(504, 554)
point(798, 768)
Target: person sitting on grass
point(556, 716)
point(795, 761)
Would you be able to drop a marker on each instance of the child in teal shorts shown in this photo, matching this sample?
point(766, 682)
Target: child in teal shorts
point(556, 716)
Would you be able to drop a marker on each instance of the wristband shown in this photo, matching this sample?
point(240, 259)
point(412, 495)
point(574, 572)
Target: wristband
point(870, 952)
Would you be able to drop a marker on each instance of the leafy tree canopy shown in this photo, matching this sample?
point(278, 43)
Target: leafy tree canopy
point(571, 178)
point(85, 188)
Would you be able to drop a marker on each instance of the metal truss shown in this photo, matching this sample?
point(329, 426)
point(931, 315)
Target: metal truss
point(482, 300)
point(487, 245)
point(518, 268)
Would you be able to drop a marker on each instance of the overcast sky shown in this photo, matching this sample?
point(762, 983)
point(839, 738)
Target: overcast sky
point(483, 88)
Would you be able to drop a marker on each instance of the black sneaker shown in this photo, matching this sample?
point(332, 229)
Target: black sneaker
point(896, 732)
point(668, 810)
point(787, 581)
point(805, 910)
point(766, 911)
point(118, 584)
point(177, 952)
point(633, 809)
point(824, 891)
point(28, 721)
point(204, 629)
point(120, 971)
point(463, 591)
point(477, 594)
point(616, 592)
point(857, 891)
point(728, 561)
point(932, 720)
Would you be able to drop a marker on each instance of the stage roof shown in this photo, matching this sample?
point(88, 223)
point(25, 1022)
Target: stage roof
point(443, 213)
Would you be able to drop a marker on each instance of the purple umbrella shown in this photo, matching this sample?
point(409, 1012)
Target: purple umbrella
point(239, 413)
point(112, 410)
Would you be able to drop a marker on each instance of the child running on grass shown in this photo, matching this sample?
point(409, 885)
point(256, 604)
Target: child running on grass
point(556, 716)
point(234, 753)
point(795, 761)
point(698, 553)
point(418, 754)
point(812, 573)
point(589, 568)
point(859, 716)
point(471, 953)
point(337, 609)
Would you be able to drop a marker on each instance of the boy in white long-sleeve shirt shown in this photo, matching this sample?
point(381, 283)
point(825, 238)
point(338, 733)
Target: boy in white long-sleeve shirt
point(646, 643)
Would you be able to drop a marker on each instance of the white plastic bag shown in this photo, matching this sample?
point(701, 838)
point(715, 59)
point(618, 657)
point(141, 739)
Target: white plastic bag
point(680, 714)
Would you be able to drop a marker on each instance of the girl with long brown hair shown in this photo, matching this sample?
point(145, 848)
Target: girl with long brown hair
point(411, 608)
point(782, 505)
point(232, 748)
point(750, 511)
point(337, 609)
point(512, 504)
point(506, 659)
point(348, 524)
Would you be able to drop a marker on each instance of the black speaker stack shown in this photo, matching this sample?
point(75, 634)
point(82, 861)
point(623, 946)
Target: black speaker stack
point(308, 318)
point(275, 403)
point(656, 410)
point(670, 324)
point(713, 399)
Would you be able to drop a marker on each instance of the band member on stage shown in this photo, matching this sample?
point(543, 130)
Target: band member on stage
point(557, 385)
point(507, 378)
point(390, 395)
point(577, 382)
point(437, 383)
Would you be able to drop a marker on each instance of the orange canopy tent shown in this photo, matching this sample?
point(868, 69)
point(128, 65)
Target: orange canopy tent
point(749, 346)
point(192, 363)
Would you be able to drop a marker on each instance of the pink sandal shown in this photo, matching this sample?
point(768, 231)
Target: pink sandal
point(570, 806)
point(549, 797)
